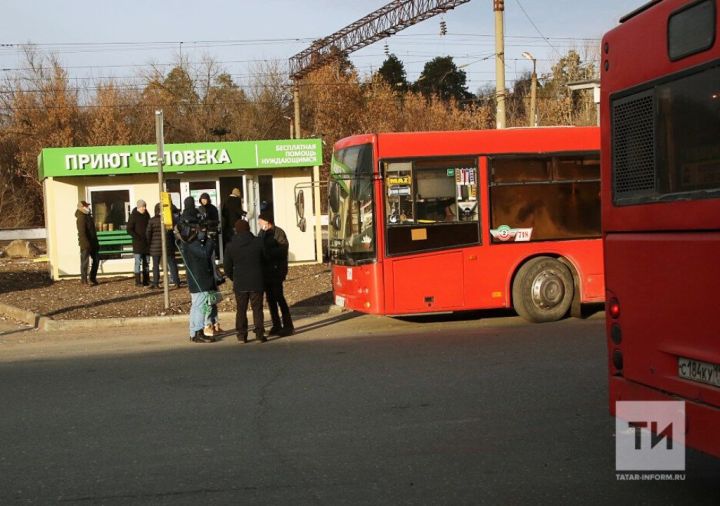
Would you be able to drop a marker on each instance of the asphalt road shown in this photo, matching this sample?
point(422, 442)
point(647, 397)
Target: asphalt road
point(351, 410)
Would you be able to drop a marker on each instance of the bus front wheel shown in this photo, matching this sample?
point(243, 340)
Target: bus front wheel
point(543, 290)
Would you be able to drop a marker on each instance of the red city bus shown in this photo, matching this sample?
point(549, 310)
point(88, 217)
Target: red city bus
point(661, 210)
point(447, 221)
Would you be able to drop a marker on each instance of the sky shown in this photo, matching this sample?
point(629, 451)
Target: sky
point(118, 39)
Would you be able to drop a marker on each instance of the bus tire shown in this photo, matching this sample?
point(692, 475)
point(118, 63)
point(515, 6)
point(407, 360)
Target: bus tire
point(543, 290)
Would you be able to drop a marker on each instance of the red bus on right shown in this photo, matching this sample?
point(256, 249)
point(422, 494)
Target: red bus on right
point(660, 159)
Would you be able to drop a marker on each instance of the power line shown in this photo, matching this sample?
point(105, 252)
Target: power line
point(536, 28)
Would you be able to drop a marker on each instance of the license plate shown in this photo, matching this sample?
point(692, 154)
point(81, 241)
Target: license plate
point(702, 372)
point(340, 300)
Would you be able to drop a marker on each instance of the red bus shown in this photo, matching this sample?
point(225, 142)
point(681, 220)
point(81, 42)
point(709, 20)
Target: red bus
point(447, 221)
point(660, 116)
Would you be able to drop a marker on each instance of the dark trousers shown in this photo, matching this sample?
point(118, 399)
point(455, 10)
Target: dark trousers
point(85, 256)
point(172, 269)
point(275, 300)
point(241, 321)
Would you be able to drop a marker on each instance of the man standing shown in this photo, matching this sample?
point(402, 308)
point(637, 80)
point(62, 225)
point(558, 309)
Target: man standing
point(243, 264)
point(275, 271)
point(89, 246)
point(137, 228)
point(231, 212)
point(154, 240)
point(196, 251)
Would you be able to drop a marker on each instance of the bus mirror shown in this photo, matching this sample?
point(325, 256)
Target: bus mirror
point(334, 197)
point(300, 209)
point(300, 204)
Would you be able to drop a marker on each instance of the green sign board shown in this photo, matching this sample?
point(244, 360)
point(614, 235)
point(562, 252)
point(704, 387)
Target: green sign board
point(139, 159)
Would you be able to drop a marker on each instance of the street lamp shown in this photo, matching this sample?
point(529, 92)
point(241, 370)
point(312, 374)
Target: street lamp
point(533, 90)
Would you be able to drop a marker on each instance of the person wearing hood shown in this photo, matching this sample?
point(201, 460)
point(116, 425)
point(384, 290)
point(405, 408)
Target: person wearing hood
point(243, 264)
point(154, 240)
point(231, 212)
point(196, 250)
point(210, 212)
point(137, 228)
point(88, 241)
point(212, 221)
point(190, 214)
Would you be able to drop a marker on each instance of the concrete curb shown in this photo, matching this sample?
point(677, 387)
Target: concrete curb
point(21, 315)
point(227, 319)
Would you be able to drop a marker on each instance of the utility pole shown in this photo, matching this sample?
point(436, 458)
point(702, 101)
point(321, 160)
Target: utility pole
point(533, 120)
point(499, 8)
point(160, 139)
point(296, 105)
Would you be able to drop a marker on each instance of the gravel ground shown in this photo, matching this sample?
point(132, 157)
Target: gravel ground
point(27, 284)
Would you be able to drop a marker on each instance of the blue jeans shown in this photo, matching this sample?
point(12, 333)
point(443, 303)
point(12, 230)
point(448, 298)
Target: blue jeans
point(198, 318)
point(172, 269)
point(141, 258)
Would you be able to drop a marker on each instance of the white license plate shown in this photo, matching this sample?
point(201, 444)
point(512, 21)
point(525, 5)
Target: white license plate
point(702, 372)
point(340, 301)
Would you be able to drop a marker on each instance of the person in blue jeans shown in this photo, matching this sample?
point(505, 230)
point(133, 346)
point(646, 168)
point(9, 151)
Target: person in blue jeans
point(137, 228)
point(197, 252)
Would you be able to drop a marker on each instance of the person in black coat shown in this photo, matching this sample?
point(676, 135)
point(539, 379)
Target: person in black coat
point(137, 228)
point(231, 212)
point(243, 264)
point(154, 240)
point(275, 271)
point(88, 241)
point(212, 219)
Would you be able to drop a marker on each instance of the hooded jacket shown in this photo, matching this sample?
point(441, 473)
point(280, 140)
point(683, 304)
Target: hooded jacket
point(244, 262)
point(190, 213)
point(137, 228)
point(87, 236)
point(200, 270)
point(209, 211)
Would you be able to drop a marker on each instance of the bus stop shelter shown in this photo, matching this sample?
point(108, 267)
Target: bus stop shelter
point(270, 175)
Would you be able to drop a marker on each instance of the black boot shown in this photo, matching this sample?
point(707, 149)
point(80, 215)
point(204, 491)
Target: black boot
point(275, 329)
point(288, 327)
point(199, 337)
point(242, 338)
point(260, 336)
point(138, 281)
point(145, 278)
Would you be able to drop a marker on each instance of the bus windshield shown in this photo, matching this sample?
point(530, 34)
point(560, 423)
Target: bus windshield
point(351, 230)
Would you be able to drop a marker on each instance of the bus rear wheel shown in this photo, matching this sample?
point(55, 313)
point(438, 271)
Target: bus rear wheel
point(543, 290)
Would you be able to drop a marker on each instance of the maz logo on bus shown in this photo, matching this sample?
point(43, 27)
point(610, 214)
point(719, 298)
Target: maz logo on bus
point(506, 234)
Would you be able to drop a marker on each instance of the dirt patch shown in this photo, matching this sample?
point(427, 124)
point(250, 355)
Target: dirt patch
point(27, 285)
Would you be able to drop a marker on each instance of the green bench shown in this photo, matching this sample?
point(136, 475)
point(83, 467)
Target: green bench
point(114, 242)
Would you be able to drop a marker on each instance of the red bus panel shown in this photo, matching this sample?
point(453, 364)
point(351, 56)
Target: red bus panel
point(661, 210)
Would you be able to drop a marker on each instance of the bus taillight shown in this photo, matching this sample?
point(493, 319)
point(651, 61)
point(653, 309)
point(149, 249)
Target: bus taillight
point(614, 308)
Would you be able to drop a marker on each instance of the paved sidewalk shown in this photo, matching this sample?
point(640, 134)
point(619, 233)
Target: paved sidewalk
point(41, 322)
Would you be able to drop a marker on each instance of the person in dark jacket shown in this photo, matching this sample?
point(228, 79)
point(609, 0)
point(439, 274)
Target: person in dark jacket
point(243, 264)
point(211, 219)
point(88, 241)
point(154, 240)
point(231, 212)
point(137, 228)
point(190, 214)
point(196, 251)
point(275, 271)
